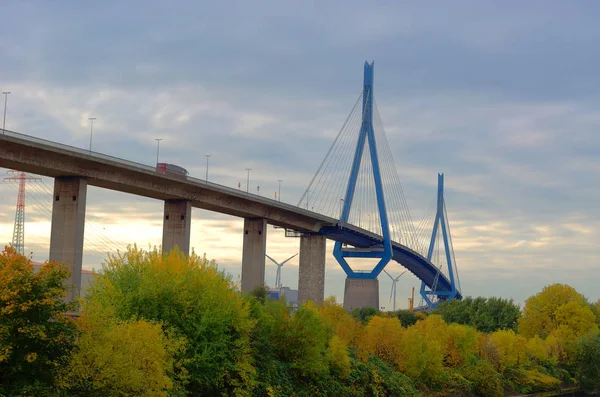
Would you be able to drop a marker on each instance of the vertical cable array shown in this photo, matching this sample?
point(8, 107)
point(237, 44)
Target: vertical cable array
point(39, 195)
point(326, 193)
point(402, 227)
point(451, 244)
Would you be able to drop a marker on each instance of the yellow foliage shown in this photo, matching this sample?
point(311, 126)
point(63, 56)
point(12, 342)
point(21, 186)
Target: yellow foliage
point(339, 357)
point(534, 380)
point(461, 344)
point(423, 350)
point(538, 351)
point(505, 349)
point(197, 301)
point(412, 359)
point(572, 321)
point(421, 358)
point(341, 322)
point(560, 309)
point(112, 357)
point(35, 334)
point(434, 328)
point(383, 338)
point(556, 349)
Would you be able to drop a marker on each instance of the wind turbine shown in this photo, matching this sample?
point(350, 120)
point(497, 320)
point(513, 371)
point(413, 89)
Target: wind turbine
point(394, 281)
point(279, 265)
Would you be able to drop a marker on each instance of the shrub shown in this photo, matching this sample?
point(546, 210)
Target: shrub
point(485, 381)
point(587, 362)
point(193, 299)
point(531, 380)
point(36, 337)
point(113, 357)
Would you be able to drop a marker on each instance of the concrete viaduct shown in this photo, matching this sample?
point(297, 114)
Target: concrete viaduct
point(73, 169)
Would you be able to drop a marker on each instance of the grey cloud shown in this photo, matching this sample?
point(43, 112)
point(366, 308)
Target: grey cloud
point(500, 98)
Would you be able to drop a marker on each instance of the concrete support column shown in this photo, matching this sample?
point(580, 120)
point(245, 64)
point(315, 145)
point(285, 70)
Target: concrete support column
point(177, 222)
point(254, 251)
point(68, 222)
point(311, 280)
point(361, 292)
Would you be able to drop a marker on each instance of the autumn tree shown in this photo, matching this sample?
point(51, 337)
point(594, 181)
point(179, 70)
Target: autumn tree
point(114, 358)
point(595, 307)
point(505, 350)
point(539, 351)
point(382, 338)
point(341, 322)
point(423, 349)
point(557, 310)
point(460, 345)
point(194, 300)
point(306, 341)
point(36, 337)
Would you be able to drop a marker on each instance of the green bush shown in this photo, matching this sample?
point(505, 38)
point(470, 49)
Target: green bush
point(191, 297)
point(483, 314)
point(406, 317)
point(531, 380)
point(485, 381)
point(587, 362)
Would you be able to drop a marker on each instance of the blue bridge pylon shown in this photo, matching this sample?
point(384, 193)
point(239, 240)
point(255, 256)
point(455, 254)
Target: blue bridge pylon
point(366, 135)
point(358, 184)
point(429, 295)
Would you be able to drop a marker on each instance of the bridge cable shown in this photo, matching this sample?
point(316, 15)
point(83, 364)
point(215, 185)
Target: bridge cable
point(329, 151)
point(336, 157)
point(94, 246)
point(93, 225)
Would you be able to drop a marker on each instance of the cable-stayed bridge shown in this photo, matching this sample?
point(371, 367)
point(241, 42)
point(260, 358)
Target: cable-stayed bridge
point(358, 183)
point(355, 198)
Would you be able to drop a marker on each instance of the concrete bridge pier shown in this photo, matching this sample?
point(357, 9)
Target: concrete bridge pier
point(67, 229)
point(254, 252)
point(177, 222)
point(361, 292)
point(311, 279)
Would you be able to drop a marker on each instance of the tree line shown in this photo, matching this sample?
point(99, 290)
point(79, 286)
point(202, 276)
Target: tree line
point(172, 325)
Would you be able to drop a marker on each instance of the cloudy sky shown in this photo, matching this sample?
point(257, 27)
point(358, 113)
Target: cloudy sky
point(502, 97)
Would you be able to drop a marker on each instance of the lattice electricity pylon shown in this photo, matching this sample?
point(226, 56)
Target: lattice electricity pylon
point(431, 296)
point(18, 240)
point(366, 135)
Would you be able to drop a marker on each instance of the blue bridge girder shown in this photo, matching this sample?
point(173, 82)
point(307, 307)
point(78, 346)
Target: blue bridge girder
point(414, 262)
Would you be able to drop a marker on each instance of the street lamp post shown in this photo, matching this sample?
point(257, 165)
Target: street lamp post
point(207, 157)
point(248, 180)
point(91, 119)
point(157, 147)
point(279, 194)
point(5, 93)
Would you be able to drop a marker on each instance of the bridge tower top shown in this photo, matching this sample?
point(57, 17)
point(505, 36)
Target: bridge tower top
point(366, 138)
